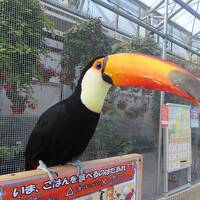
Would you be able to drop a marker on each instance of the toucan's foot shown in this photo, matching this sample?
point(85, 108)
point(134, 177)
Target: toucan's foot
point(80, 169)
point(49, 171)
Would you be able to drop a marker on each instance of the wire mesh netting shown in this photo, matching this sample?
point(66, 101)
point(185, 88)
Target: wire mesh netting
point(43, 49)
point(15, 132)
point(29, 68)
point(36, 57)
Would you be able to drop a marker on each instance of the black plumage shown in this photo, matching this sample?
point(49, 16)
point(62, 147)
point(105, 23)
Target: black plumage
point(62, 132)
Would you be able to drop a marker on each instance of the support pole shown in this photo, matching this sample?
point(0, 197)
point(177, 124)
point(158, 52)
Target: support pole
point(162, 97)
point(117, 17)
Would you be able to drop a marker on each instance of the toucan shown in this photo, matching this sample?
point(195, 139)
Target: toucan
point(63, 131)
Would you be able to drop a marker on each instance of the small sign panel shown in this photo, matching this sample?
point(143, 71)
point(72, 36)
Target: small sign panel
point(194, 118)
point(164, 116)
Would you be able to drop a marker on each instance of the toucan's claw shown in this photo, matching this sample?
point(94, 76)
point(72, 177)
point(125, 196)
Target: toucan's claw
point(49, 171)
point(80, 169)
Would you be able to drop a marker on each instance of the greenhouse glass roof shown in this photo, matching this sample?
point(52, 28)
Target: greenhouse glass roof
point(183, 17)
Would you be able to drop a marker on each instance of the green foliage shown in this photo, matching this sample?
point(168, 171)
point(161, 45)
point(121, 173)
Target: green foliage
point(82, 43)
point(8, 152)
point(146, 45)
point(21, 45)
point(106, 138)
point(135, 112)
point(108, 142)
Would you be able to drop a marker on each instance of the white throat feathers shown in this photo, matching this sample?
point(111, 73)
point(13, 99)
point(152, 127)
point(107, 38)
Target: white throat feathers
point(94, 90)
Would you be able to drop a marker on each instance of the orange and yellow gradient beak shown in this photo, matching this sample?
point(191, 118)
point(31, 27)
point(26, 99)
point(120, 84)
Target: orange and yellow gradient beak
point(138, 70)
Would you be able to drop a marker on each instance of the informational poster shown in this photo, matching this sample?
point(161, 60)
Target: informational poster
point(179, 138)
point(113, 181)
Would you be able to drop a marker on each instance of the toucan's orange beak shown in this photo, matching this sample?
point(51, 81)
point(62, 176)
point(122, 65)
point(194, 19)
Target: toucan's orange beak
point(139, 70)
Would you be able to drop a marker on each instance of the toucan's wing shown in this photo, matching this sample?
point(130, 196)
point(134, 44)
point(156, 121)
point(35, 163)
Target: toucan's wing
point(44, 140)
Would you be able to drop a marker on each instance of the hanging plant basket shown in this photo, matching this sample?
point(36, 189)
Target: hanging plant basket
point(122, 105)
point(17, 109)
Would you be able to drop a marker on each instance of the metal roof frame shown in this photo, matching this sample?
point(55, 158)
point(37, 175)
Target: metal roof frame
point(183, 5)
point(172, 15)
point(146, 26)
point(188, 8)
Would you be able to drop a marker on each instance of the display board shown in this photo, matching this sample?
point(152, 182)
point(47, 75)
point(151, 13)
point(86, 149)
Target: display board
point(179, 137)
point(112, 178)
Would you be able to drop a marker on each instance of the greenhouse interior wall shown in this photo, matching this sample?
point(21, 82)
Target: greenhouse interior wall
point(45, 44)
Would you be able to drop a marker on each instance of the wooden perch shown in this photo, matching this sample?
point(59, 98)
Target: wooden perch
point(106, 177)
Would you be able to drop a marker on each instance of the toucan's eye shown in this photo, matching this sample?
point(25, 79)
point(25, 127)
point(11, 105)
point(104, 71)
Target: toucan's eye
point(98, 65)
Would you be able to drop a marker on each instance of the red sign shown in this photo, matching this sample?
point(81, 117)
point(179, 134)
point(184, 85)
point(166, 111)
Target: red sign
point(69, 187)
point(164, 116)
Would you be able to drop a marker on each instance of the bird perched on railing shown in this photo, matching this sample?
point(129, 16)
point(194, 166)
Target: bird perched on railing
point(63, 131)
